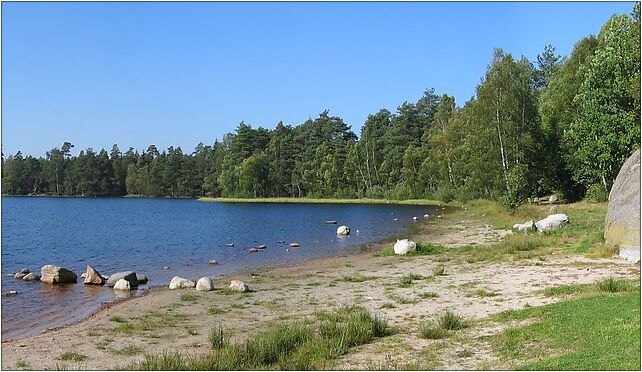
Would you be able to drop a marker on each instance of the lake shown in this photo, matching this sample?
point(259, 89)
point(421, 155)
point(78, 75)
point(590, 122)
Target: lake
point(144, 235)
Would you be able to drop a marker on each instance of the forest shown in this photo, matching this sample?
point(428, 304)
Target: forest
point(556, 124)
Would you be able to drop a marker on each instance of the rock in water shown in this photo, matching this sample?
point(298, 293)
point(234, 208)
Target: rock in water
point(552, 222)
point(122, 285)
point(526, 226)
point(204, 284)
point(178, 282)
point(30, 277)
point(239, 286)
point(53, 274)
point(129, 276)
point(295, 245)
point(404, 246)
point(212, 262)
point(622, 227)
point(22, 273)
point(93, 277)
point(343, 230)
point(141, 279)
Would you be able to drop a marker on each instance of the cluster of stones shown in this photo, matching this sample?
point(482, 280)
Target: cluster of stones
point(52, 274)
point(550, 223)
point(205, 284)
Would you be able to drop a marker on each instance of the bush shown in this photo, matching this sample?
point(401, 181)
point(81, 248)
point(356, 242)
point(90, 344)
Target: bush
point(596, 193)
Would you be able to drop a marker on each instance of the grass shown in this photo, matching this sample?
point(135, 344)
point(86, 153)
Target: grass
point(613, 285)
point(597, 330)
point(482, 293)
point(129, 350)
point(293, 345)
point(356, 278)
point(431, 331)
point(189, 297)
point(428, 295)
point(117, 319)
point(322, 201)
point(21, 364)
point(72, 356)
point(439, 270)
point(423, 249)
point(451, 322)
point(388, 305)
point(215, 310)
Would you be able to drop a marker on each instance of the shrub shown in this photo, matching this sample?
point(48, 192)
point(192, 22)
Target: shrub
point(596, 193)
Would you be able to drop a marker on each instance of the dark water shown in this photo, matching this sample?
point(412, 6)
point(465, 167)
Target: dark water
point(144, 235)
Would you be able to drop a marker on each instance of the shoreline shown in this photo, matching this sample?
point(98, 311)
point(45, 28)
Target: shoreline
point(286, 200)
point(180, 320)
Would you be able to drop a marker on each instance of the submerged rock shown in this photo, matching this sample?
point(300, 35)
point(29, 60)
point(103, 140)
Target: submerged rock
point(122, 285)
point(21, 274)
point(239, 286)
point(177, 282)
point(295, 245)
point(129, 276)
point(212, 262)
point(261, 246)
point(141, 278)
point(204, 284)
point(331, 222)
point(343, 230)
point(404, 246)
point(30, 277)
point(253, 250)
point(93, 277)
point(53, 274)
point(552, 222)
point(10, 292)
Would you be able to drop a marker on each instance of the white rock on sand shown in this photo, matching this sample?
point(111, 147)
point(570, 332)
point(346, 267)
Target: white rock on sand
point(239, 286)
point(204, 284)
point(404, 246)
point(122, 285)
point(178, 282)
point(552, 222)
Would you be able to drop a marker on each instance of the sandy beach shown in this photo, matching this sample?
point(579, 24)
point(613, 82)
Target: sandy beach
point(120, 334)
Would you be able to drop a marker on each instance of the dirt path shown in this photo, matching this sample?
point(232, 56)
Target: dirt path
point(180, 320)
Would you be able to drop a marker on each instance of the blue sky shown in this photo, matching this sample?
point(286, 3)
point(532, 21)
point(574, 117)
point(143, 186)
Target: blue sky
point(178, 74)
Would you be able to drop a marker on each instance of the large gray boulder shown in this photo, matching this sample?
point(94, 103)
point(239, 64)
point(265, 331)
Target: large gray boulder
point(622, 226)
point(22, 273)
point(204, 284)
point(129, 276)
point(53, 274)
point(404, 246)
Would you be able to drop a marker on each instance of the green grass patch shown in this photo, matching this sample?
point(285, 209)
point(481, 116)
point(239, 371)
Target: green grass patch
point(129, 350)
point(189, 297)
point(613, 285)
point(598, 331)
point(431, 331)
point(439, 270)
point(482, 293)
point(72, 357)
point(564, 290)
point(117, 319)
point(215, 310)
point(451, 322)
point(356, 278)
point(427, 295)
point(294, 345)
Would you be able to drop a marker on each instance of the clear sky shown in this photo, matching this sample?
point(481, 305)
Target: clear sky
point(178, 74)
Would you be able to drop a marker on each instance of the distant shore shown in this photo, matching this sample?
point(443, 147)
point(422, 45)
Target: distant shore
point(323, 201)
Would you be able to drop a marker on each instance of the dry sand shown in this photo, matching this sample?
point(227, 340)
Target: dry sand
point(165, 320)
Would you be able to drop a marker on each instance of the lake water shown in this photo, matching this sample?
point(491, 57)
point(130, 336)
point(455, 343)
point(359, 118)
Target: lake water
point(144, 235)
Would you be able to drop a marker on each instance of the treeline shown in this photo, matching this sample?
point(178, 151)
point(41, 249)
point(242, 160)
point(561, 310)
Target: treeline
point(556, 124)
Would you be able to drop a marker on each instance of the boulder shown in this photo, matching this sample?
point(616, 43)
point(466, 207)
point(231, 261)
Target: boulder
point(343, 230)
point(177, 282)
point(295, 245)
point(404, 246)
point(253, 250)
point(122, 285)
point(239, 286)
point(553, 198)
point(622, 226)
point(526, 226)
point(93, 277)
point(129, 276)
point(10, 292)
point(212, 262)
point(53, 274)
point(21, 274)
point(552, 222)
point(204, 284)
point(141, 279)
point(30, 277)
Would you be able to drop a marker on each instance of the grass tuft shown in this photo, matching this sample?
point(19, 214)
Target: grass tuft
point(72, 356)
point(431, 331)
point(451, 321)
point(613, 285)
